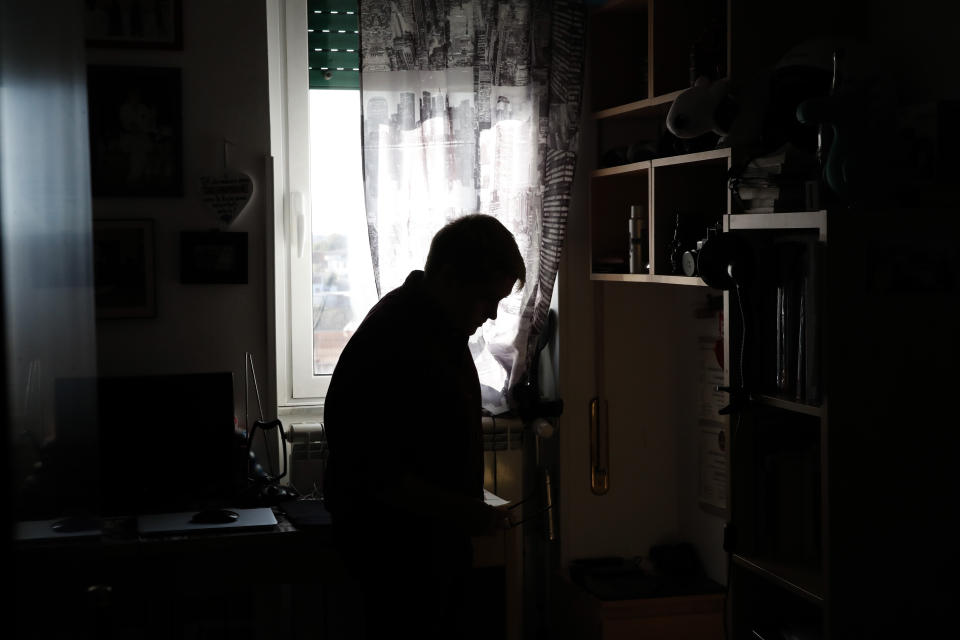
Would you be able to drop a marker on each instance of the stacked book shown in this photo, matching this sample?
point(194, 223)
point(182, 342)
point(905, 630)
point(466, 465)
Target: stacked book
point(757, 187)
point(780, 181)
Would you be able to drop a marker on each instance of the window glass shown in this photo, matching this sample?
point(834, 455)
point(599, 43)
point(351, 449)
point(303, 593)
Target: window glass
point(343, 288)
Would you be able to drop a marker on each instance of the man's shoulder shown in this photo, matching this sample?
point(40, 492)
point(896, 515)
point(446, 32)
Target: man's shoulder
point(399, 306)
point(388, 323)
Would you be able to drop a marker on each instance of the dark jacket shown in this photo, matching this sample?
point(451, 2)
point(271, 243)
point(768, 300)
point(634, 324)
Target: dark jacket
point(404, 397)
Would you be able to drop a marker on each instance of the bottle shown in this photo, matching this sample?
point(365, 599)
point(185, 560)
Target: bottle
point(639, 261)
point(676, 249)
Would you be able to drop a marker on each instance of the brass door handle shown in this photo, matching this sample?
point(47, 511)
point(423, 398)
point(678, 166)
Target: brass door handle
point(599, 450)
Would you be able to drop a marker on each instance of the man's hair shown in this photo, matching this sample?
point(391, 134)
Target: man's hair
point(478, 249)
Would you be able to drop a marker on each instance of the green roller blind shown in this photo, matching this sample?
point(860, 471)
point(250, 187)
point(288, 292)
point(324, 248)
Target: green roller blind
point(333, 36)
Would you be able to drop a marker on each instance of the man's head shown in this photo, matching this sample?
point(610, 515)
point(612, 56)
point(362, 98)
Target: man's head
point(473, 263)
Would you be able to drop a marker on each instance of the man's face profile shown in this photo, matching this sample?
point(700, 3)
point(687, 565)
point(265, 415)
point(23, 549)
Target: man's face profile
point(474, 304)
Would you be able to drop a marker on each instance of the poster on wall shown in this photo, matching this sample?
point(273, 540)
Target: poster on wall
point(710, 363)
point(713, 466)
point(123, 263)
point(712, 440)
point(213, 257)
point(135, 131)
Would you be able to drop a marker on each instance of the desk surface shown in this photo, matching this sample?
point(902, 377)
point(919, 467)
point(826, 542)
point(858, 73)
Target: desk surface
point(283, 554)
point(306, 549)
point(121, 554)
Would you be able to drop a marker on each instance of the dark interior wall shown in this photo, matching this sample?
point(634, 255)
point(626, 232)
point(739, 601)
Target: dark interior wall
point(203, 327)
point(918, 43)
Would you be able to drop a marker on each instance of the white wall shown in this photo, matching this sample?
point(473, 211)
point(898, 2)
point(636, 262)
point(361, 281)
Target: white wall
point(203, 327)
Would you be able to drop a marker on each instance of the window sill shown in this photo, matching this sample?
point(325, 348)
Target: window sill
point(291, 414)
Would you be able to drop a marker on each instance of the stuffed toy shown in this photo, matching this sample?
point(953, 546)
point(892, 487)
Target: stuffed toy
point(760, 110)
point(703, 108)
point(859, 113)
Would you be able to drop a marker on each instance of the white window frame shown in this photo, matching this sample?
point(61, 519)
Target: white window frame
point(297, 386)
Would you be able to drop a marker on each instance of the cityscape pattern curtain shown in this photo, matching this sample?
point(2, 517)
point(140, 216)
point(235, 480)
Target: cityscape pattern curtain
point(473, 106)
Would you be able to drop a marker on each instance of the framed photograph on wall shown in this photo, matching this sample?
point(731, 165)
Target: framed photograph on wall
point(134, 24)
point(136, 136)
point(213, 257)
point(124, 268)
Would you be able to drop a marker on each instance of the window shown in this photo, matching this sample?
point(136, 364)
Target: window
point(324, 276)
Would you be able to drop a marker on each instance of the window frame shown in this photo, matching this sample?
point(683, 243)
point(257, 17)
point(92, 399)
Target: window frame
point(297, 386)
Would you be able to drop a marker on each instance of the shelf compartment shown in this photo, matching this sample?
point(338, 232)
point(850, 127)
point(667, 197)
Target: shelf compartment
point(634, 135)
point(783, 303)
point(679, 25)
point(620, 54)
point(612, 192)
point(690, 195)
point(772, 601)
point(776, 472)
point(801, 581)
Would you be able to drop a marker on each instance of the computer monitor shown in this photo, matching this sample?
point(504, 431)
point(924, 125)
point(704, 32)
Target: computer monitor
point(165, 442)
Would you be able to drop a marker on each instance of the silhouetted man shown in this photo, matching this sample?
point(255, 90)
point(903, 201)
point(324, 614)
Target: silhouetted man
point(404, 481)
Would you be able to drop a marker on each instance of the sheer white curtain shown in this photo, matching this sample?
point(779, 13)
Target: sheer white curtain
point(470, 107)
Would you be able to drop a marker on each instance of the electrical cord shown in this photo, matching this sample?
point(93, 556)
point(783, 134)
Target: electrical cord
point(743, 333)
point(250, 369)
point(493, 419)
point(726, 594)
point(733, 439)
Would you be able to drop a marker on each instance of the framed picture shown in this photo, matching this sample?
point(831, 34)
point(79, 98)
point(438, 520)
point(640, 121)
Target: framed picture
point(135, 131)
point(139, 24)
point(124, 271)
point(213, 257)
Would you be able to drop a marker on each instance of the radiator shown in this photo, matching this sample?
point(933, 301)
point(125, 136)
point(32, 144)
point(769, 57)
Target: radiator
point(502, 457)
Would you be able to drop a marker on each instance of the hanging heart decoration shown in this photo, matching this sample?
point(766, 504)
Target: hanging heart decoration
point(226, 194)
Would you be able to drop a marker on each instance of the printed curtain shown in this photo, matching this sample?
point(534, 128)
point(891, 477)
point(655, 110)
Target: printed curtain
point(468, 107)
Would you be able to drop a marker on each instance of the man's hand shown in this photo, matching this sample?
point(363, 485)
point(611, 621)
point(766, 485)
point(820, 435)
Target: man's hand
point(472, 515)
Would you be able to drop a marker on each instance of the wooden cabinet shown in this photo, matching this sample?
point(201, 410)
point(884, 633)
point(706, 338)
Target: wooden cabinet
point(583, 616)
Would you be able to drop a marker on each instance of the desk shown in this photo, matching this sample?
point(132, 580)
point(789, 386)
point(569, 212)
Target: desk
point(282, 579)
